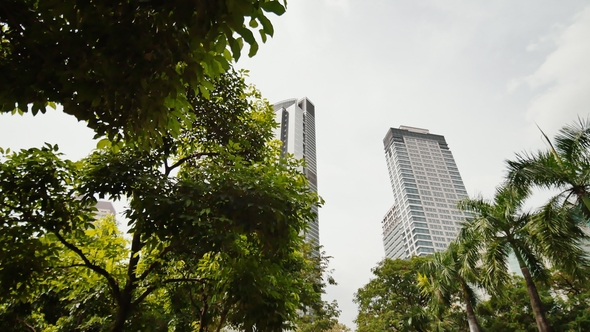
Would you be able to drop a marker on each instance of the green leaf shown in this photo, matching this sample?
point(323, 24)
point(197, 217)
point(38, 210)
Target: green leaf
point(267, 26)
point(103, 144)
point(204, 91)
point(273, 7)
point(247, 35)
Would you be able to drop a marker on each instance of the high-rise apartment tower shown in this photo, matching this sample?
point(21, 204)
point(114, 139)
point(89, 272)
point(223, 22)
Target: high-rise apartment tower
point(426, 187)
point(297, 132)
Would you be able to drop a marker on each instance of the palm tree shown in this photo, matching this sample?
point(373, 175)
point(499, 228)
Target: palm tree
point(500, 227)
point(564, 166)
point(443, 275)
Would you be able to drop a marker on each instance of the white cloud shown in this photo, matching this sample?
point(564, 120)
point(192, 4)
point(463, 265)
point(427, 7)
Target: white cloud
point(339, 4)
point(562, 82)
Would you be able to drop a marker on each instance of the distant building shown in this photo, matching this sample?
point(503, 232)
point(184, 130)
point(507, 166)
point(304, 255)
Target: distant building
point(426, 186)
point(104, 208)
point(297, 132)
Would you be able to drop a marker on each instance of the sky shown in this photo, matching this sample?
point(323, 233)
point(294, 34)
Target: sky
point(484, 74)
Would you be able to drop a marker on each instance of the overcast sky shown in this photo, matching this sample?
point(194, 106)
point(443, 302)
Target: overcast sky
point(481, 73)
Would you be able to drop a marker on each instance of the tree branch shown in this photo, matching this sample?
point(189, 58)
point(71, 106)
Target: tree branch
point(155, 264)
point(151, 289)
point(189, 157)
point(112, 282)
point(27, 324)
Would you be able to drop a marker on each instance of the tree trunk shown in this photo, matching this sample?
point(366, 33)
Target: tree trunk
point(122, 313)
point(471, 318)
point(536, 303)
point(124, 307)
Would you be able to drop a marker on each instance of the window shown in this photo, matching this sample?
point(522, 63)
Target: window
point(423, 250)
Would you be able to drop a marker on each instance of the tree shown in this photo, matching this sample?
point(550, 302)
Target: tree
point(217, 201)
point(339, 328)
point(571, 302)
point(318, 315)
point(128, 67)
point(564, 298)
point(447, 273)
point(511, 311)
point(564, 166)
point(393, 300)
point(500, 227)
point(321, 318)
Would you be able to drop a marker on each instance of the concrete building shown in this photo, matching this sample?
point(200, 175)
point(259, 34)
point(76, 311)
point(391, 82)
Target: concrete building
point(426, 186)
point(297, 132)
point(104, 208)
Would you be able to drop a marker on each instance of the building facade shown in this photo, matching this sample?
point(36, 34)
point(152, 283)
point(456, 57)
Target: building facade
point(426, 186)
point(103, 209)
point(296, 118)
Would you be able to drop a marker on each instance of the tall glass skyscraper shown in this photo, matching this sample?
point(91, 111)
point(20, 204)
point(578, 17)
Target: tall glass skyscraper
point(426, 187)
point(297, 132)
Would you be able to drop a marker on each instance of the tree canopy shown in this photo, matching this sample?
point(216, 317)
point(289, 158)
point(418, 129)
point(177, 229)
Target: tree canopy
point(393, 300)
point(215, 220)
point(126, 67)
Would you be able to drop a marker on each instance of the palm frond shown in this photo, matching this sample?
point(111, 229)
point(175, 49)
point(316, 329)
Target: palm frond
point(557, 232)
point(573, 141)
point(552, 149)
point(541, 169)
point(495, 263)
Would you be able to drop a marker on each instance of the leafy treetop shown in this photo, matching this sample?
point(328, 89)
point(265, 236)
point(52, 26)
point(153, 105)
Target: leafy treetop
point(127, 67)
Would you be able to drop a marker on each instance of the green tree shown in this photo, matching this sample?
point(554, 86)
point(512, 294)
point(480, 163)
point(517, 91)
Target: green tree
point(319, 319)
point(571, 310)
point(339, 328)
point(317, 315)
point(127, 67)
point(500, 227)
point(393, 300)
point(447, 273)
point(217, 196)
point(563, 166)
point(511, 311)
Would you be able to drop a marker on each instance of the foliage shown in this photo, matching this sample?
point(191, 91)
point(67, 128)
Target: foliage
point(567, 308)
point(446, 278)
point(126, 67)
point(512, 310)
point(319, 315)
point(215, 211)
point(339, 328)
point(563, 166)
point(322, 318)
point(499, 228)
point(393, 300)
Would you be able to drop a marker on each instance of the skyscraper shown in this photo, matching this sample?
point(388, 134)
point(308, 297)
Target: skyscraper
point(103, 209)
point(297, 132)
point(426, 187)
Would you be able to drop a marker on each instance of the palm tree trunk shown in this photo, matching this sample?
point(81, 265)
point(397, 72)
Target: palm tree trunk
point(471, 318)
point(542, 323)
